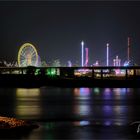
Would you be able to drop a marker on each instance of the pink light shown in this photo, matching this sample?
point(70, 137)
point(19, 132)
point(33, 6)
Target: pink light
point(86, 62)
point(107, 54)
point(82, 55)
point(117, 71)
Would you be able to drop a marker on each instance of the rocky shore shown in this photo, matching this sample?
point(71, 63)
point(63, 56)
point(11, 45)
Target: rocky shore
point(7, 123)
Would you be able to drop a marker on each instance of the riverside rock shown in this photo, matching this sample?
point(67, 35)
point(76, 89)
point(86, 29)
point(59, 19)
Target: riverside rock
point(7, 123)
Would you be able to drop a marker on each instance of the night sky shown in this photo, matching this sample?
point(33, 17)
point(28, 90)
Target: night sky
point(56, 28)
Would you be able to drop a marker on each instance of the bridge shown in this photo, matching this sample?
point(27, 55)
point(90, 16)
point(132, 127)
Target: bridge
point(96, 76)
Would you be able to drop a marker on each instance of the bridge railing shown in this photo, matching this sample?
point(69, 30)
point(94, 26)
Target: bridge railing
point(76, 72)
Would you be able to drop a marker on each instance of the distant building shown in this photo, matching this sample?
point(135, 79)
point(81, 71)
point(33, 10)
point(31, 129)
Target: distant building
point(116, 61)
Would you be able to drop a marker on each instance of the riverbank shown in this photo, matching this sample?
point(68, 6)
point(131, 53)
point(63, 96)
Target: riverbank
point(7, 123)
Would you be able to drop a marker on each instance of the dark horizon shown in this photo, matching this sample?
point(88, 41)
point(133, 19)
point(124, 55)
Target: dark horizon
point(56, 28)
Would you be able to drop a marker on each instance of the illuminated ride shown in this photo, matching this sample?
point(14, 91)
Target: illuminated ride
point(27, 55)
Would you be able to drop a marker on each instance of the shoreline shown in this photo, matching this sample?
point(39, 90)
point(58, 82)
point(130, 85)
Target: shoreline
point(9, 123)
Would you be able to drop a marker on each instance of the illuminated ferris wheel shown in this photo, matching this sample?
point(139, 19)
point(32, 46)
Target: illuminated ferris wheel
point(27, 55)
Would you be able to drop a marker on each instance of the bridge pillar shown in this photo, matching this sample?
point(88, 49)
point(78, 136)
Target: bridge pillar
point(93, 73)
point(126, 74)
point(134, 73)
point(101, 73)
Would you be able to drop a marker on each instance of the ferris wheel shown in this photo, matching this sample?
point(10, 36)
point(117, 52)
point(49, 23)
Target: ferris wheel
point(27, 55)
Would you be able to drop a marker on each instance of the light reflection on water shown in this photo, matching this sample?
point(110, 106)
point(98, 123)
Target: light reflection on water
point(94, 104)
point(108, 112)
point(74, 110)
point(82, 93)
point(80, 108)
point(28, 103)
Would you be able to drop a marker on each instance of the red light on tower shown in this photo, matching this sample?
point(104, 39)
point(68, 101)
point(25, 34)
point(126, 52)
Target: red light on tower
point(128, 50)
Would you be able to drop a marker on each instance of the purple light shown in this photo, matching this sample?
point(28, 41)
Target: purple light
point(107, 54)
point(69, 64)
point(82, 55)
point(83, 123)
point(84, 91)
point(107, 123)
point(86, 62)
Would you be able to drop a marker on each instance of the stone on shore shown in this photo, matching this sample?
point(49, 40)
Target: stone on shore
point(7, 123)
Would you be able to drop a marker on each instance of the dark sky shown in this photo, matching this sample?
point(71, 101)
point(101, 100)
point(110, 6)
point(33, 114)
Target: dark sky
point(56, 28)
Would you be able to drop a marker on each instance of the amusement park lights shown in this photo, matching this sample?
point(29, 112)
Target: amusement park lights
point(82, 55)
point(107, 54)
point(27, 55)
point(86, 61)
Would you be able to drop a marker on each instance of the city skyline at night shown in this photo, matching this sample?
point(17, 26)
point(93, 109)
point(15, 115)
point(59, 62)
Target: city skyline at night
point(57, 28)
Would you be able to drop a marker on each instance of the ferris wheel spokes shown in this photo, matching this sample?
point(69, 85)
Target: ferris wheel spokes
point(27, 55)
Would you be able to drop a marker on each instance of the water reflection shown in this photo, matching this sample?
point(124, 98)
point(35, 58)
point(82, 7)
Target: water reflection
point(107, 94)
point(28, 103)
point(122, 93)
point(74, 113)
point(81, 123)
point(116, 110)
point(107, 110)
point(81, 93)
point(96, 91)
point(106, 106)
point(81, 105)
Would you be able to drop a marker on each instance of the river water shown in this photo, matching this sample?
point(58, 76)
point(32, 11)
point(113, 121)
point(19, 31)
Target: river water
point(73, 113)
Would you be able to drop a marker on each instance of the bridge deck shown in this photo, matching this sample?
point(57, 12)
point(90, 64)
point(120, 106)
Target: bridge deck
point(70, 76)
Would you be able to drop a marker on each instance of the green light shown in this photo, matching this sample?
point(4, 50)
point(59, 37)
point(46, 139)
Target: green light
point(37, 71)
point(50, 125)
point(51, 71)
point(48, 72)
point(96, 91)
